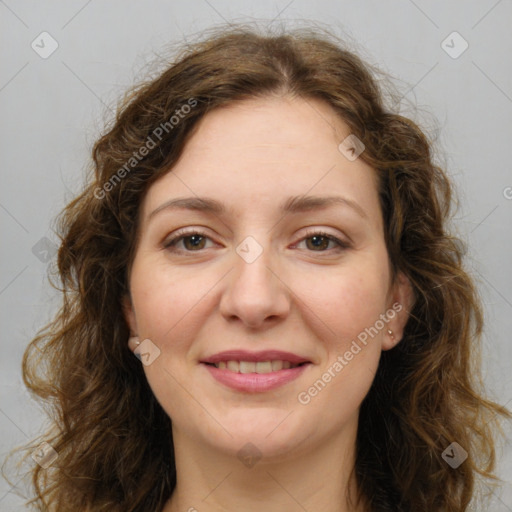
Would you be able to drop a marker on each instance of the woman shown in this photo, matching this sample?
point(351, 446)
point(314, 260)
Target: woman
point(270, 241)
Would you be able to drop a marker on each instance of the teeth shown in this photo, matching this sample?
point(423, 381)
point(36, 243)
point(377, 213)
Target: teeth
point(234, 366)
point(263, 367)
point(247, 367)
point(277, 365)
point(255, 367)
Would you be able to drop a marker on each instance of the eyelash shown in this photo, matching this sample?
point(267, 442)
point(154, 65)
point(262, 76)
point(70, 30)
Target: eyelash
point(169, 244)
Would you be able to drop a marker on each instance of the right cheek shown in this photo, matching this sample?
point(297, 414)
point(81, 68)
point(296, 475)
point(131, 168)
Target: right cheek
point(167, 392)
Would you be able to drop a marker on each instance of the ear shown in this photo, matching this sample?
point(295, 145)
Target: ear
point(129, 314)
point(400, 304)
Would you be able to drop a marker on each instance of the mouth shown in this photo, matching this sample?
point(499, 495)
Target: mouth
point(259, 367)
point(255, 371)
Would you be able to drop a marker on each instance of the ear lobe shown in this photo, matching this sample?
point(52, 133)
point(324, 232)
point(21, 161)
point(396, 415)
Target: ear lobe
point(129, 314)
point(402, 302)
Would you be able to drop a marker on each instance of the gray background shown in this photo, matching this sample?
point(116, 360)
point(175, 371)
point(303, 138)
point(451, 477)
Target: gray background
point(52, 109)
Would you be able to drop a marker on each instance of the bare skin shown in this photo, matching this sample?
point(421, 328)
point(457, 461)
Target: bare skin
point(305, 295)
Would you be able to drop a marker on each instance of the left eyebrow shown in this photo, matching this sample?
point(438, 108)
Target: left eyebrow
point(299, 204)
point(294, 204)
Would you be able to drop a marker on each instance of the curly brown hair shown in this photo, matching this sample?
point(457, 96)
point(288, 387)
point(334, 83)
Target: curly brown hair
point(427, 392)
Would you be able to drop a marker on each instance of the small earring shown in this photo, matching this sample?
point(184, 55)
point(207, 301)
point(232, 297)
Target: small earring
point(390, 332)
point(133, 342)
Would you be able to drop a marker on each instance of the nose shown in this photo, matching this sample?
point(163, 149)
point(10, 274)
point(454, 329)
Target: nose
point(255, 293)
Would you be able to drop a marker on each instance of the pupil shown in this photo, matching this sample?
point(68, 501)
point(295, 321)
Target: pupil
point(321, 239)
point(195, 240)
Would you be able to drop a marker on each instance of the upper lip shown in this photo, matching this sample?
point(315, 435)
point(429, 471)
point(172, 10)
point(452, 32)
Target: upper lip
point(264, 355)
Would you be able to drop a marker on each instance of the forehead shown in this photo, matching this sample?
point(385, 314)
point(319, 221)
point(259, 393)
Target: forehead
point(255, 154)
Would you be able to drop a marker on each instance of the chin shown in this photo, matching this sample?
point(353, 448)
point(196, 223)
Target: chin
point(274, 434)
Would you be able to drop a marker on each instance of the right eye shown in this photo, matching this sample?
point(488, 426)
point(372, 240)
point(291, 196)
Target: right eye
point(193, 241)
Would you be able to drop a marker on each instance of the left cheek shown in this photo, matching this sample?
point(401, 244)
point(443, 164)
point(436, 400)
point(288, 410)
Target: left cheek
point(350, 303)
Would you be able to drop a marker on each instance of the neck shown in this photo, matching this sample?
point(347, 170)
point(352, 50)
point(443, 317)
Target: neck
point(314, 478)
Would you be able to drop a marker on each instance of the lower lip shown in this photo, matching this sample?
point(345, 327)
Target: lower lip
point(255, 382)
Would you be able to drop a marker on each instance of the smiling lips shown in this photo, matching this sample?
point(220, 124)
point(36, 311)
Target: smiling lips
point(255, 367)
point(255, 371)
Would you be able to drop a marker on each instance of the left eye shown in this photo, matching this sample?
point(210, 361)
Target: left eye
point(321, 240)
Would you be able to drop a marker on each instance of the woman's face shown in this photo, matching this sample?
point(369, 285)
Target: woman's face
point(255, 278)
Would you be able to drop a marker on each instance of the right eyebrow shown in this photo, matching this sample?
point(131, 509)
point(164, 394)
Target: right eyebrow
point(201, 204)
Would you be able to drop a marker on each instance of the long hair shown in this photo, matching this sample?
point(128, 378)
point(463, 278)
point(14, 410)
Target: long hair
point(112, 438)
